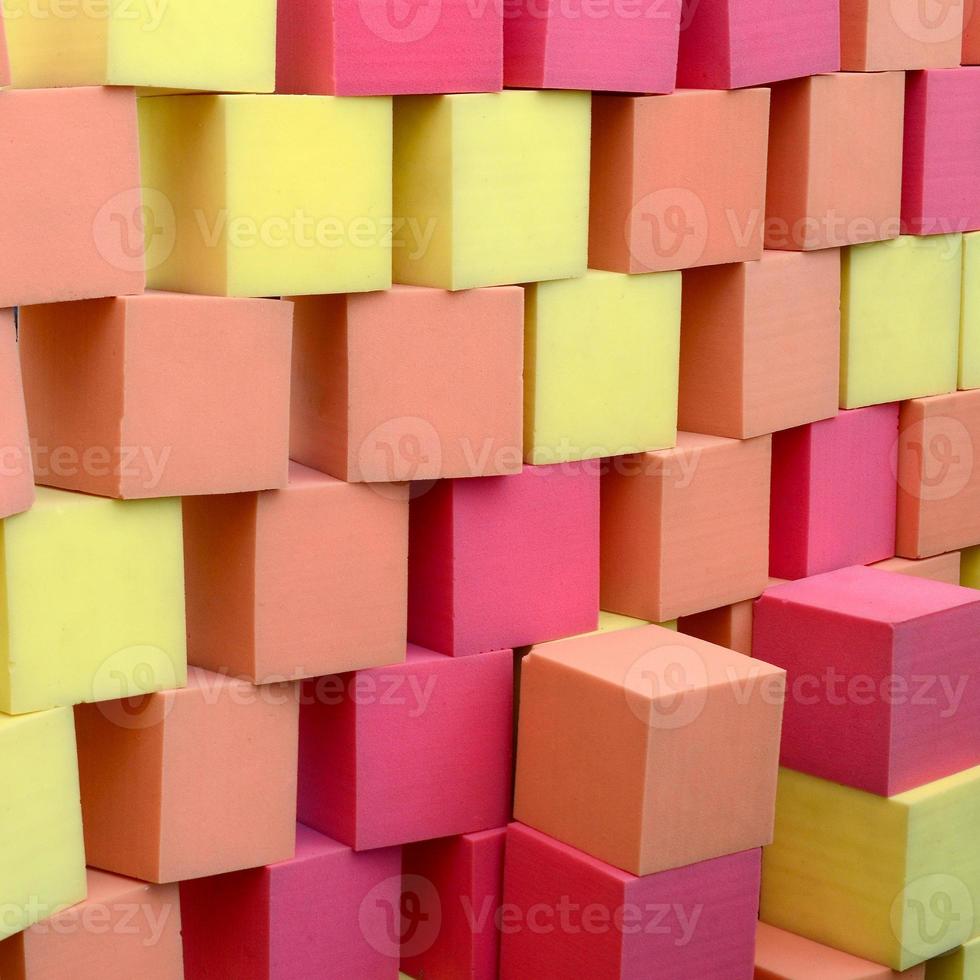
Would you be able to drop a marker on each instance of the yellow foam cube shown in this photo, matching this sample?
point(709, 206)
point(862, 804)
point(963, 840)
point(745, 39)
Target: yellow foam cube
point(961, 964)
point(218, 45)
point(92, 601)
point(42, 855)
point(970, 567)
point(491, 189)
point(969, 376)
point(894, 880)
point(601, 360)
point(900, 319)
point(267, 195)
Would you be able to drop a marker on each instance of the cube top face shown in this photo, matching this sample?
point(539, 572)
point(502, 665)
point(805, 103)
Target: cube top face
point(501, 214)
point(92, 247)
point(878, 35)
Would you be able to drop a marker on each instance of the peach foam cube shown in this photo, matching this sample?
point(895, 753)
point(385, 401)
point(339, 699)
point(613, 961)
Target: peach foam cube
point(409, 384)
point(158, 395)
point(940, 568)
point(190, 783)
point(669, 719)
point(728, 626)
point(887, 35)
point(70, 221)
point(299, 582)
point(701, 204)
point(17, 479)
point(971, 35)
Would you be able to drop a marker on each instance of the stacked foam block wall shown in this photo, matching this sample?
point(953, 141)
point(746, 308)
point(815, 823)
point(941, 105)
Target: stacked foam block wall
point(489, 491)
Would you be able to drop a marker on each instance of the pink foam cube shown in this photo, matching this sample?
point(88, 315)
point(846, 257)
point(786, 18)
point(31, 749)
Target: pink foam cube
point(569, 915)
point(326, 913)
point(456, 883)
point(558, 45)
point(505, 561)
point(16, 472)
point(726, 44)
point(376, 47)
point(834, 494)
point(881, 693)
point(409, 752)
point(940, 183)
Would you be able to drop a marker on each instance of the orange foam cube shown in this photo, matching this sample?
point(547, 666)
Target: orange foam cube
point(939, 568)
point(897, 35)
point(16, 472)
point(729, 626)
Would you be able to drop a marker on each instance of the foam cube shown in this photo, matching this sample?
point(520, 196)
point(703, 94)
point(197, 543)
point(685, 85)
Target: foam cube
point(299, 582)
point(963, 963)
point(158, 395)
point(940, 191)
point(893, 880)
point(970, 568)
point(491, 189)
point(456, 883)
point(940, 568)
point(621, 49)
point(700, 204)
point(235, 213)
point(430, 737)
point(670, 718)
point(567, 914)
point(409, 384)
point(728, 44)
point(938, 476)
point(223, 45)
point(728, 626)
point(895, 35)
point(70, 221)
point(4, 58)
point(760, 344)
point(189, 783)
point(601, 366)
point(534, 536)
point(971, 35)
point(969, 367)
point(42, 861)
point(686, 529)
point(16, 472)
point(326, 913)
point(900, 319)
point(88, 617)
point(835, 161)
point(124, 928)
point(834, 495)
point(328, 47)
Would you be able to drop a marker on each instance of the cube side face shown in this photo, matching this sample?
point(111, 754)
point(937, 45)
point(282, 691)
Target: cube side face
point(971, 36)
point(969, 369)
point(432, 575)
point(790, 504)
point(17, 483)
point(704, 57)
point(941, 568)
point(788, 175)
point(305, 57)
point(885, 36)
point(4, 58)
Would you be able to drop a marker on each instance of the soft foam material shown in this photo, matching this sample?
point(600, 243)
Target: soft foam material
point(16, 473)
point(329, 47)
point(670, 720)
point(426, 746)
point(93, 601)
point(238, 213)
point(70, 226)
point(190, 783)
point(299, 582)
point(940, 191)
point(879, 672)
point(409, 384)
point(969, 370)
point(700, 204)
point(326, 913)
point(159, 395)
point(760, 344)
point(834, 495)
point(569, 915)
point(970, 568)
point(963, 963)
point(729, 626)
point(567, 46)
point(456, 882)
point(900, 319)
point(4, 58)
point(882, 35)
point(835, 161)
point(734, 43)
point(941, 568)
point(124, 928)
point(221, 45)
point(971, 35)
point(600, 374)
point(686, 529)
point(491, 189)
point(895, 881)
point(505, 561)
point(42, 861)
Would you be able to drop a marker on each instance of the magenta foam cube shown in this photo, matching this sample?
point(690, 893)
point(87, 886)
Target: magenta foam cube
point(452, 890)
point(327, 913)
point(410, 752)
point(881, 686)
point(380, 47)
point(940, 180)
point(625, 46)
point(505, 561)
point(726, 44)
point(567, 914)
point(834, 493)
